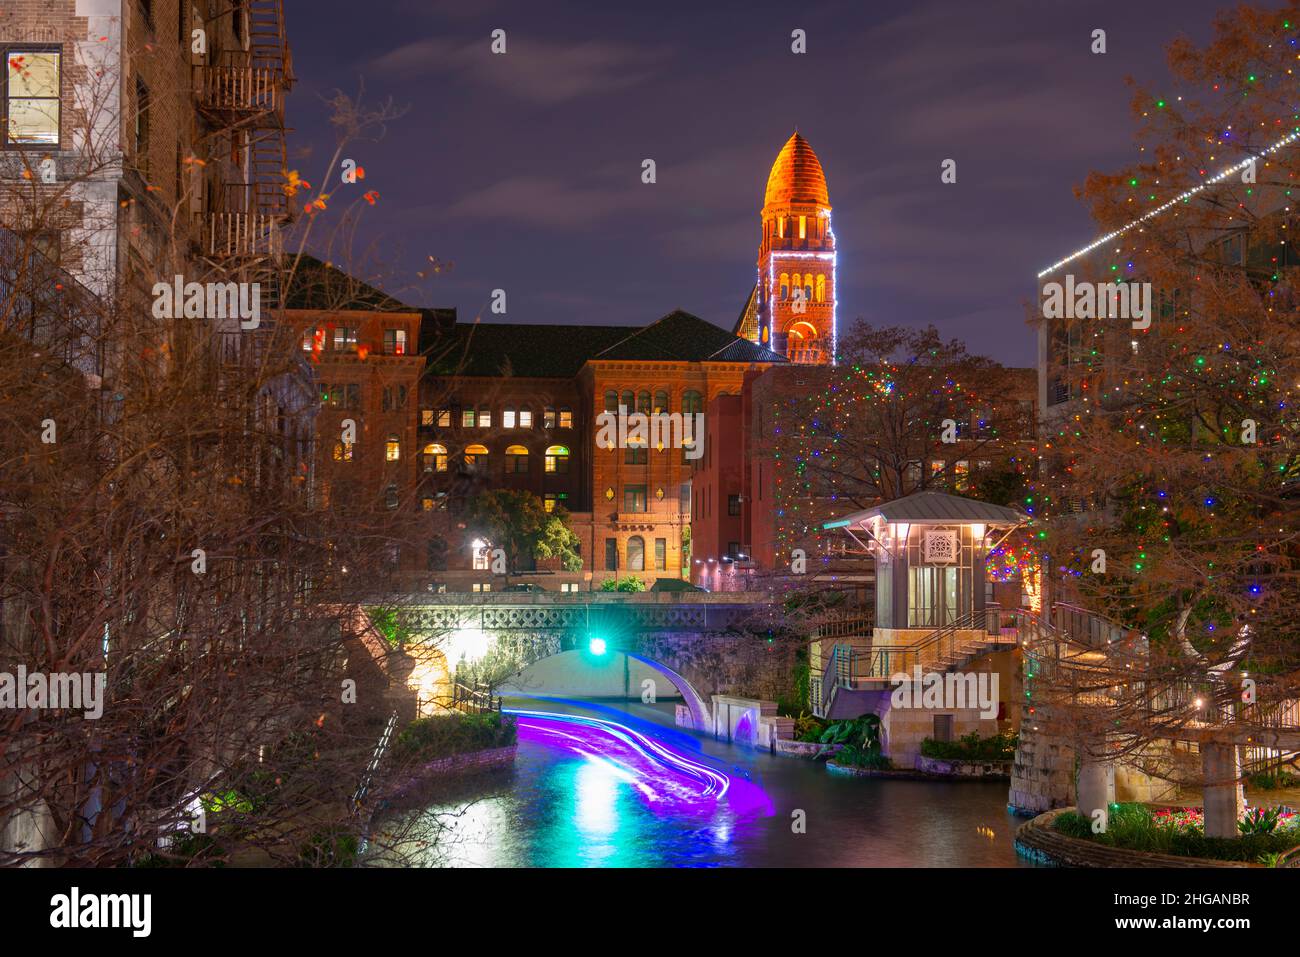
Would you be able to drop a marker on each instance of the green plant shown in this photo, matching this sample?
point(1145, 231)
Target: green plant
point(971, 747)
point(1073, 824)
point(1271, 780)
point(1259, 820)
point(390, 625)
point(862, 734)
point(628, 584)
point(440, 736)
point(1270, 859)
point(808, 727)
point(850, 756)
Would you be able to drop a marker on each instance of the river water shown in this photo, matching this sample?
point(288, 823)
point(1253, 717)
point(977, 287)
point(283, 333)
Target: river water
point(596, 785)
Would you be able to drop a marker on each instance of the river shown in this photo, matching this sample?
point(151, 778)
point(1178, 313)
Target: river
point(616, 785)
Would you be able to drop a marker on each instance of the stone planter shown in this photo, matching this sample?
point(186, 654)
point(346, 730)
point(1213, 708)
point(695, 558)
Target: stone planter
point(804, 749)
point(964, 769)
point(1038, 841)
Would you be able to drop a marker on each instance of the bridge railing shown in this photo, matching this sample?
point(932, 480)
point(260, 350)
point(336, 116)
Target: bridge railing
point(474, 700)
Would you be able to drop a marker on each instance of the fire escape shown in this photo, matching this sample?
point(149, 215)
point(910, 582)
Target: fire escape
point(240, 97)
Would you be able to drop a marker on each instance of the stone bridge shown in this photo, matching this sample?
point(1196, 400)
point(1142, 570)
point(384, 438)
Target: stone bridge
point(697, 640)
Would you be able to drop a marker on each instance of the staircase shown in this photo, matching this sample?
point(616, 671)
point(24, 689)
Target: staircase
point(855, 678)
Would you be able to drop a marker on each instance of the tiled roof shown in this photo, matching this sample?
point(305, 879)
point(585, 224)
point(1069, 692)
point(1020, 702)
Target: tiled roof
point(515, 348)
point(682, 337)
point(320, 285)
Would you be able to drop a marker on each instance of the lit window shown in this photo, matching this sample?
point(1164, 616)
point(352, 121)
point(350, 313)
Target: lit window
point(395, 342)
point(32, 101)
point(634, 498)
point(566, 418)
point(821, 287)
point(557, 460)
point(525, 418)
point(481, 554)
point(485, 418)
point(426, 417)
point(508, 419)
point(517, 459)
point(343, 451)
point(476, 457)
point(393, 448)
point(548, 417)
point(467, 418)
point(345, 340)
point(435, 457)
point(426, 503)
point(636, 554)
point(308, 340)
point(444, 418)
point(803, 227)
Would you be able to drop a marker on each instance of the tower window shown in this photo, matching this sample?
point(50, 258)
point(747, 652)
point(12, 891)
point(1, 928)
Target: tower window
point(821, 287)
point(803, 227)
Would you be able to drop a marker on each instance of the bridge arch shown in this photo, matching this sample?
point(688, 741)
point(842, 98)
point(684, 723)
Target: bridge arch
point(577, 672)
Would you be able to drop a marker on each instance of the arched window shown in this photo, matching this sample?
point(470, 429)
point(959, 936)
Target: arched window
point(808, 288)
point(628, 401)
point(785, 285)
point(821, 287)
point(517, 459)
point(435, 457)
point(661, 401)
point(343, 451)
point(557, 460)
point(643, 402)
point(611, 401)
point(476, 457)
point(692, 402)
point(393, 448)
point(796, 281)
point(636, 554)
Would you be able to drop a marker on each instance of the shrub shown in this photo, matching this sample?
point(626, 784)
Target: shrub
point(1271, 780)
point(971, 747)
point(629, 584)
point(850, 756)
point(440, 736)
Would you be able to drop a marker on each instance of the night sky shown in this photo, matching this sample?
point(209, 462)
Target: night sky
point(524, 170)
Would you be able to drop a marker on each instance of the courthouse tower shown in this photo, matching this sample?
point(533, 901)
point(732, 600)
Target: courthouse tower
point(792, 307)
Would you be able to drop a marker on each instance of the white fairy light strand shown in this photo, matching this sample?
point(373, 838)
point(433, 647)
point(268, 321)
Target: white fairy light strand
point(1286, 141)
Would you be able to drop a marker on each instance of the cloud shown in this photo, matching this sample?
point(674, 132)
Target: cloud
point(533, 69)
point(542, 201)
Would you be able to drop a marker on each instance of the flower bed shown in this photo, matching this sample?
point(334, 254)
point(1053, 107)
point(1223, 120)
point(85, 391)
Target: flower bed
point(1266, 834)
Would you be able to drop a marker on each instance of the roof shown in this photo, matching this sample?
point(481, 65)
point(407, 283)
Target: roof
point(322, 285)
point(935, 508)
point(517, 349)
point(682, 337)
point(796, 176)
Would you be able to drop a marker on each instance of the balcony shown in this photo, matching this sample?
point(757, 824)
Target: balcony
point(234, 91)
point(241, 236)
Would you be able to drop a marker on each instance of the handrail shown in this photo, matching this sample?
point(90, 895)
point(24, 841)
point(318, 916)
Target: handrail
point(367, 778)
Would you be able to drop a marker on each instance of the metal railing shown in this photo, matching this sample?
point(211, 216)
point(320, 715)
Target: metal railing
point(368, 777)
point(473, 700)
point(242, 89)
point(241, 235)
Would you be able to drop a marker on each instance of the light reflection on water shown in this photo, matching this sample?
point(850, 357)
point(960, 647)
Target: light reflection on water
point(592, 794)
